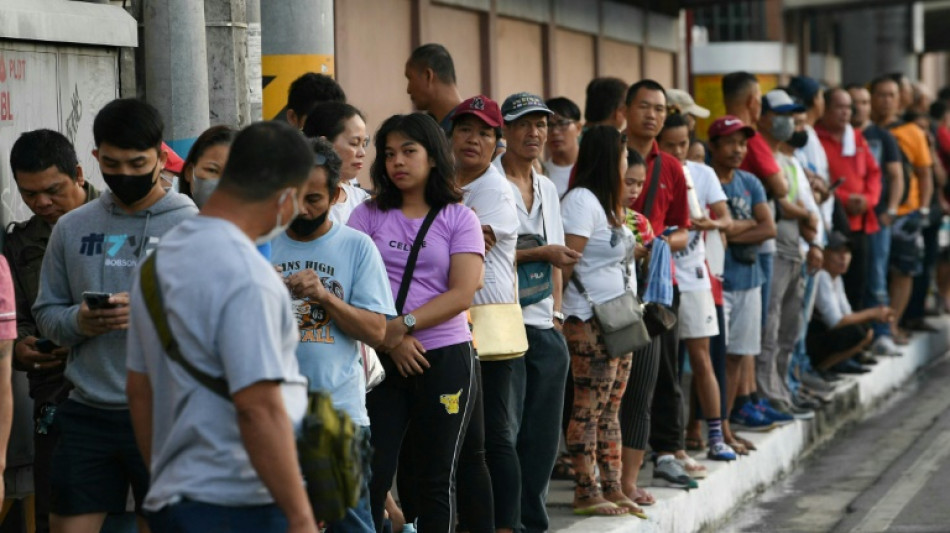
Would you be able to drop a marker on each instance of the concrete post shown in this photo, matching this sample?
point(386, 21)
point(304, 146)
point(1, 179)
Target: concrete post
point(297, 37)
point(175, 82)
point(255, 85)
point(226, 34)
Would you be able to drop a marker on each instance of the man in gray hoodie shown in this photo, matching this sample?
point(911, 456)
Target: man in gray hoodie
point(95, 249)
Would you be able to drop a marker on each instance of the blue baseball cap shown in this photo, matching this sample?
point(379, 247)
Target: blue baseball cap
point(778, 101)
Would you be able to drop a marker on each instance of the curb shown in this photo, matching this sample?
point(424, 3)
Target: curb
point(729, 485)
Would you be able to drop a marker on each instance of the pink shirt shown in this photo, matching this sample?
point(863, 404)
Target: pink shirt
point(455, 230)
point(7, 303)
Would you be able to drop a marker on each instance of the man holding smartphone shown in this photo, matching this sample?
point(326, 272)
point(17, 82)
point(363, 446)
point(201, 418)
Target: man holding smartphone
point(96, 248)
point(51, 183)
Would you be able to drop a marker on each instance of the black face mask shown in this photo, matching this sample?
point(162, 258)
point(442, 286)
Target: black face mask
point(305, 227)
point(798, 139)
point(129, 189)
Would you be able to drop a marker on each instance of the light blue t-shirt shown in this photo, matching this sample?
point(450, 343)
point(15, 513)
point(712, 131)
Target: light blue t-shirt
point(742, 194)
point(352, 269)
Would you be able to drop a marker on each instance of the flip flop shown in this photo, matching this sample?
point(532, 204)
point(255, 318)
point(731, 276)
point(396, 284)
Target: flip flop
point(594, 510)
point(632, 508)
point(644, 498)
point(738, 447)
point(747, 443)
point(695, 444)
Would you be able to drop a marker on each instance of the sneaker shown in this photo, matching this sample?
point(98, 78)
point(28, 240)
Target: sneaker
point(694, 469)
point(850, 367)
point(751, 419)
point(865, 358)
point(669, 473)
point(815, 383)
point(774, 413)
point(805, 400)
point(720, 451)
point(799, 413)
point(825, 397)
point(884, 346)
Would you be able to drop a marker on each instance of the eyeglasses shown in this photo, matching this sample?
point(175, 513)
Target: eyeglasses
point(563, 123)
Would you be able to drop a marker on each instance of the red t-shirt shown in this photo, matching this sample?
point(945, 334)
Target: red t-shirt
point(759, 159)
point(670, 207)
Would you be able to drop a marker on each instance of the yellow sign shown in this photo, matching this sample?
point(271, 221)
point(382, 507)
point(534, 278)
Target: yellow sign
point(279, 71)
point(707, 91)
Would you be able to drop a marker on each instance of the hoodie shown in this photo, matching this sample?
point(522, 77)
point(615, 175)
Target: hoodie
point(96, 247)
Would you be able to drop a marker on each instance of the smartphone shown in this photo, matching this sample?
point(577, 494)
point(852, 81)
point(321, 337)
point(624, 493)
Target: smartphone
point(45, 345)
point(836, 184)
point(98, 300)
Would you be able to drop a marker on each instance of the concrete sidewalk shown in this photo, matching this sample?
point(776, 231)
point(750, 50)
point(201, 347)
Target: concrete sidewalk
point(730, 484)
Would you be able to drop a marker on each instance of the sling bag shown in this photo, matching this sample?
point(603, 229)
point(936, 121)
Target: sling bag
point(327, 446)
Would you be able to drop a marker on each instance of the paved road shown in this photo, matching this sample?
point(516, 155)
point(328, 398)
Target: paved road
point(888, 473)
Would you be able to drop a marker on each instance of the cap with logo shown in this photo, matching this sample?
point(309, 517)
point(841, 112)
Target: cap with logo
point(683, 102)
point(521, 104)
point(728, 125)
point(778, 101)
point(482, 107)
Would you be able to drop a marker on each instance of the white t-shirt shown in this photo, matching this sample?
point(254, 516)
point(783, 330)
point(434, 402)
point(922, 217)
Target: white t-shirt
point(830, 299)
point(812, 156)
point(544, 219)
point(491, 198)
point(559, 175)
point(691, 272)
point(340, 212)
point(601, 268)
point(231, 315)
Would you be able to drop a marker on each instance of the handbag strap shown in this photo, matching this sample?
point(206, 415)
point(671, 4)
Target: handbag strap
point(654, 185)
point(152, 292)
point(583, 290)
point(413, 257)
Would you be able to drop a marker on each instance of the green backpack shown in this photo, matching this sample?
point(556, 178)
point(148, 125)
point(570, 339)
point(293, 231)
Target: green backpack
point(327, 447)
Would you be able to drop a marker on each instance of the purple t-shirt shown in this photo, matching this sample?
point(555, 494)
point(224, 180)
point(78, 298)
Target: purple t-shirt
point(455, 230)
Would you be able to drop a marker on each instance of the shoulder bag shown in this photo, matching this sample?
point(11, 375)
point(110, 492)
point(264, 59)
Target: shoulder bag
point(620, 319)
point(498, 330)
point(534, 277)
point(657, 318)
point(327, 446)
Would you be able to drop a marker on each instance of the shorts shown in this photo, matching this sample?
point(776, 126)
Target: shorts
point(907, 251)
point(823, 342)
point(95, 461)
point(697, 315)
point(743, 311)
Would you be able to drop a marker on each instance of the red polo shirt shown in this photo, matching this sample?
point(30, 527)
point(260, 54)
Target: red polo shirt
point(861, 176)
point(670, 207)
point(759, 159)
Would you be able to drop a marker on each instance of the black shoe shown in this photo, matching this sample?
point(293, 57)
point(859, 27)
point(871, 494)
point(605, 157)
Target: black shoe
point(919, 324)
point(849, 367)
point(828, 376)
point(865, 358)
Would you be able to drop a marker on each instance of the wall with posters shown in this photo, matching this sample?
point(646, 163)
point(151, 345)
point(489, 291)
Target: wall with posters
point(55, 87)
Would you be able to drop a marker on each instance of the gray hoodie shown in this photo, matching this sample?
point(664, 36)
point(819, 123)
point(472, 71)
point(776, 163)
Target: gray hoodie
point(96, 247)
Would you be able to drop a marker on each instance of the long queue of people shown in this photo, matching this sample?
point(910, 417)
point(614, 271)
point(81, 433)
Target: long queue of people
point(532, 282)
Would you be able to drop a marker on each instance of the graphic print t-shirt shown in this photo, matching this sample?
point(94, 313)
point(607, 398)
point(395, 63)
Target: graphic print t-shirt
point(351, 268)
point(743, 193)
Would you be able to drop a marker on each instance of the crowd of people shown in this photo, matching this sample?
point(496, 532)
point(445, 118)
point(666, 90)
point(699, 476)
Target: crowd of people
point(797, 243)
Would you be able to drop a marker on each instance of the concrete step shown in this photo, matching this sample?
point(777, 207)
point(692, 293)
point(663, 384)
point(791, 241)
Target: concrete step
point(728, 485)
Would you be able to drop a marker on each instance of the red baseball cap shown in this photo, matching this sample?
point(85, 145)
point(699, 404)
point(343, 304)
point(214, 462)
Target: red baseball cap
point(482, 107)
point(174, 163)
point(728, 125)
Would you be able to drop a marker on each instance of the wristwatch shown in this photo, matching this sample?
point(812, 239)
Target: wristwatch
point(559, 315)
point(410, 322)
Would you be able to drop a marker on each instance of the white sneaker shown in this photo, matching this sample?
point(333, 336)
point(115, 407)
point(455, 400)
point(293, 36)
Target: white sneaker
point(884, 346)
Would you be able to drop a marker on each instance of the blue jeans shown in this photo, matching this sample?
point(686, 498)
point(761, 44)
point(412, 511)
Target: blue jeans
point(879, 245)
point(359, 519)
point(195, 517)
point(538, 384)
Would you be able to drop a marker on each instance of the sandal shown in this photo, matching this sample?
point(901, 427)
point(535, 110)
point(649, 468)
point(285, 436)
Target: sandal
point(563, 469)
point(599, 509)
point(643, 498)
point(747, 443)
point(695, 444)
point(632, 508)
point(738, 447)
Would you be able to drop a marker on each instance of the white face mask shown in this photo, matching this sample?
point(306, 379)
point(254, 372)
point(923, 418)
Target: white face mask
point(201, 189)
point(281, 226)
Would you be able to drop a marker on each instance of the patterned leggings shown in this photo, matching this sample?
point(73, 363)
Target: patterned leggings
point(599, 382)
